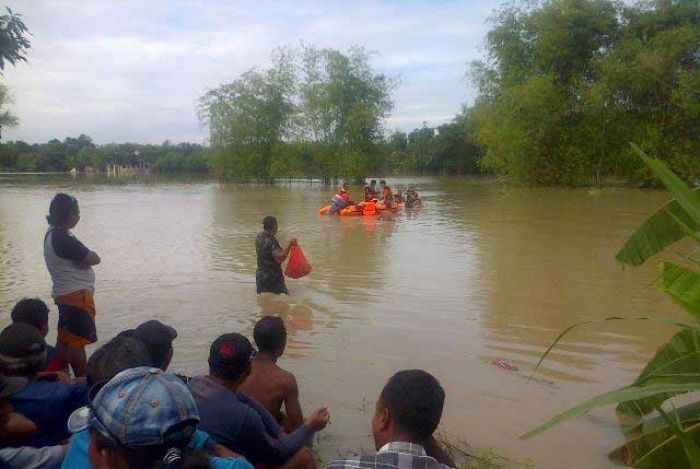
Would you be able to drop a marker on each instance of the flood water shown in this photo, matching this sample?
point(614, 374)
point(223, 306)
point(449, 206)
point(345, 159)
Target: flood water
point(481, 273)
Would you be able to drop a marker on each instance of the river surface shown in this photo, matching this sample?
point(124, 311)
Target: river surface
point(481, 273)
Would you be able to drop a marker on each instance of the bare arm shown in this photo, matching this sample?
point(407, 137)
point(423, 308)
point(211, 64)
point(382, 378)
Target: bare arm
point(295, 417)
point(17, 427)
point(281, 255)
point(90, 259)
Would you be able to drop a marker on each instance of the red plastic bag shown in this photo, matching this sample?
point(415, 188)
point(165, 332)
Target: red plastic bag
point(297, 266)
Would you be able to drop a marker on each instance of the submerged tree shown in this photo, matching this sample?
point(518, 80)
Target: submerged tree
point(313, 112)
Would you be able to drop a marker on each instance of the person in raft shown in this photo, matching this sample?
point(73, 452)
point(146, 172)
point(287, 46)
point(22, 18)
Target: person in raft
point(387, 196)
point(340, 200)
point(371, 191)
point(269, 276)
point(70, 265)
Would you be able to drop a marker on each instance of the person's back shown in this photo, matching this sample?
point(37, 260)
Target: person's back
point(49, 404)
point(268, 383)
point(46, 403)
point(239, 421)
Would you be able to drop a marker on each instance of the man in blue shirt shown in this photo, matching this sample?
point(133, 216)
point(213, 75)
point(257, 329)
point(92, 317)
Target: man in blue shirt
point(46, 403)
point(238, 421)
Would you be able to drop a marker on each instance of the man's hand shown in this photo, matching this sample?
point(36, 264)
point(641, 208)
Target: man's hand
point(319, 419)
point(292, 242)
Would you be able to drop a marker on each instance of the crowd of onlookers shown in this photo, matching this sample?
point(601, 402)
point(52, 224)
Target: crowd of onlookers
point(127, 411)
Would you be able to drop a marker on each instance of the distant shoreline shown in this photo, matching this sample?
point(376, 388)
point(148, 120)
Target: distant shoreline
point(33, 174)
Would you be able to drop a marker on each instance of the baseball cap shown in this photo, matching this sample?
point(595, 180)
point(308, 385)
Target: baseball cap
point(10, 385)
point(141, 406)
point(22, 349)
point(157, 337)
point(230, 356)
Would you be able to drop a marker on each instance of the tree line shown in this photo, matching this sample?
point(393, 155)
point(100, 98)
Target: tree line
point(567, 84)
point(563, 87)
point(82, 154)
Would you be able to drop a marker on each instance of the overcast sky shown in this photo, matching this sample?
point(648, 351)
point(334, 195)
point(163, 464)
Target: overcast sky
point(132, 70)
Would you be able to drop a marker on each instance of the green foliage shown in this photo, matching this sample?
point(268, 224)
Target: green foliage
point(7, 119)
point(657, 233)
point(315, 112)
point(81, 153)
point(13, 39)
point(567, 82)
point(669, 439)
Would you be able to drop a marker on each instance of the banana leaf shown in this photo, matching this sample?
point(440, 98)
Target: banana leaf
point(678, 452)
point(681, 354)
point(683, 285)
point(657, 233)
point(639, 446)
point(668, 453)
point(685, 414)
point(654, 385)
point(687, 199)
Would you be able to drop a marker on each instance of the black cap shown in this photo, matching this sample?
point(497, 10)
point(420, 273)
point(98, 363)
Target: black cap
point(230, 356)
point(22, 349)
point(157, 337)
point(155, 332)
point(10, 385)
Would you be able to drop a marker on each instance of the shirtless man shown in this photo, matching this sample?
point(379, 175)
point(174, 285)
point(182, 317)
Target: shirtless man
point(268, 383)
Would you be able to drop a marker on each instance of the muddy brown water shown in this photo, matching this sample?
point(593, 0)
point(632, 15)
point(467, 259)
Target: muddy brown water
point(481, 273)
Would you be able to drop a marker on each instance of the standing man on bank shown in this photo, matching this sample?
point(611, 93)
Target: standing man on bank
point(269, 276)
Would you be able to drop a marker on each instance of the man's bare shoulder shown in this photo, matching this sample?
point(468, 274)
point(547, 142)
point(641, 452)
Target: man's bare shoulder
point(288, 380)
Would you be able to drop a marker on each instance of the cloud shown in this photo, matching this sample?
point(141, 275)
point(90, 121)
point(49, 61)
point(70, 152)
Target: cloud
point(132, 70)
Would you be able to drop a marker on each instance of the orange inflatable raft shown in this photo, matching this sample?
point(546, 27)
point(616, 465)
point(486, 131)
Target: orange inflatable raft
point(367, 209)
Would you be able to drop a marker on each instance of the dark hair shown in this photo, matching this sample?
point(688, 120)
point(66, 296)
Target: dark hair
point(119, 354)
point(270, 334)
point(415, 400)
point(31, 311)
point(373, 181)
point(269, 222)
point(383, 181)
point(61, 208)
point(157, 456)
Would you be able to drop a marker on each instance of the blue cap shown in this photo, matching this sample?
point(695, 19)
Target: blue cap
point(141, 406)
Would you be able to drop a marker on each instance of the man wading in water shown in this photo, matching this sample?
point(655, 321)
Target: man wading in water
point(269, 276)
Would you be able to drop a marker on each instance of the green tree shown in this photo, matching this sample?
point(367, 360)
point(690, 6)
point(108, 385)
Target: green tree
point(14, 40)
point(249, 117)
point(567, 82)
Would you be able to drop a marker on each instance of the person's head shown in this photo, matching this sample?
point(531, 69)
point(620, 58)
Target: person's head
point(64, 211)
point(32, 311)
point(409, 408)
point(119, 354)
point(270, 225)
point(270, 335)
point(141, 418)
point(229, 358)
point(158, 339)
point(373, 182)
point(382, 183)
point(22, 350)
